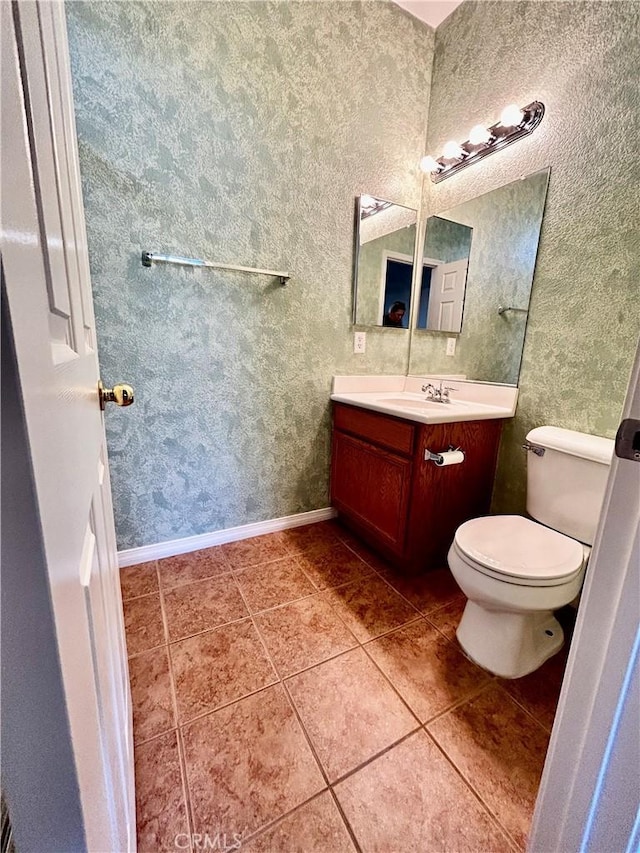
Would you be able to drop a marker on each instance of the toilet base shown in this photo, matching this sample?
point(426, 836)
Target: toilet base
point(509, 644)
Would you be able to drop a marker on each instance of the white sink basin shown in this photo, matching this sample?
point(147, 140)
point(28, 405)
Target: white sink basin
point(415, 407)
point(414, 402)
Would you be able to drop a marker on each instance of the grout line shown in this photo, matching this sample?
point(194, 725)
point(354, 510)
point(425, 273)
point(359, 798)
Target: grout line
point(182, 584)
point(260, 637)
point(186, 790)
point(375, 757)
point(386, 632)
point(174, 696)
point(174, 700)
point(146, 651)
point(320, 662)
point(473, 791)
point(297, 716)
point(288, 555)
point(315, 664)
point(155, 737)
point(272, 824)
point(523, 707)
point(345, 819)
point(171, 642)
point(392, 685)
point(473, 694)
point(235, 700)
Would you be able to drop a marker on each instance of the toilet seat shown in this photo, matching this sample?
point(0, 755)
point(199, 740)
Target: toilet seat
point(516, 550)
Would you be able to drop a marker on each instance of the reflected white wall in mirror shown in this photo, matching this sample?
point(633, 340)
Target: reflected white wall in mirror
point(505, 225)
point(383, 269)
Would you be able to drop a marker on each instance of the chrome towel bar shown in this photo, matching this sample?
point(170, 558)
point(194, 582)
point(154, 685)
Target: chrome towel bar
point(504, 308)
point(149, 258)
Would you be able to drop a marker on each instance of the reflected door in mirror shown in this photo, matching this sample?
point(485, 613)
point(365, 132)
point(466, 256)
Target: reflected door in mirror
point(383, 273)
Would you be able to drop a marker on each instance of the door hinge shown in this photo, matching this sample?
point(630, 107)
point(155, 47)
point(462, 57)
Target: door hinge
point(628, 440)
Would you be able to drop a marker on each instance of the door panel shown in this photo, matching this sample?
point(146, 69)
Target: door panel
point(446, 296)
point(45, 274)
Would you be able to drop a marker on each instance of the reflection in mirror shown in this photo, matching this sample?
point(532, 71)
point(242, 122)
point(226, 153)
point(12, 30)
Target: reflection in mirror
point(385, 244)
point(505, 225)
point(444, 274)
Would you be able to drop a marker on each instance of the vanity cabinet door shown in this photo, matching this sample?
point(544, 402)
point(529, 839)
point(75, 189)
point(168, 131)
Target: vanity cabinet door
point(372, 487)
point(443, 498)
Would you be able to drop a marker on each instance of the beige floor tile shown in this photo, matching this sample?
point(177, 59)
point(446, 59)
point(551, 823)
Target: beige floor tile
point(316, 827)
point(200, 606)
point(138, 580)
point(411, 799)
point(500, 751)
point(151, 696)
point(371, 557)
point(333, 566)
point(349, 711)
point(274, 583)
point(426, 590)
point(143, 623)
point(195, 566)
point(429, 672)
point(160, 808)
point(303, 633)
point(248, 764)
point(539, 691)
point(369, 607)
point(313, 537)
point(254, 552)
point(217, 667)
point(447, 618)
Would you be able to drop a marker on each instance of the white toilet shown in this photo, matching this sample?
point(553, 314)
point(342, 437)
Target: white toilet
point(516, 572)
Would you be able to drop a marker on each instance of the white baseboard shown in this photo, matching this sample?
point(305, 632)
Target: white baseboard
point(133, 556)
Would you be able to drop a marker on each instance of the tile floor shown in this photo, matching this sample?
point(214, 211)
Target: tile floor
point(293, 692)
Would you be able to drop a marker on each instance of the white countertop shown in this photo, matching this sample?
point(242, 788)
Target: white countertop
point(402, 397)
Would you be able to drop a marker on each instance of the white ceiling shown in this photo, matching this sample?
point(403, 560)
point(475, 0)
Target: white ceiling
point(432, 12)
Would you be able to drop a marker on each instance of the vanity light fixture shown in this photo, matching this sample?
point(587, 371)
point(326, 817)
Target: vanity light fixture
point(369, 206)
point(513, 125)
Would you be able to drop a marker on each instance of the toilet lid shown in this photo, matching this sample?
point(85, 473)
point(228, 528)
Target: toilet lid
point(517, 547)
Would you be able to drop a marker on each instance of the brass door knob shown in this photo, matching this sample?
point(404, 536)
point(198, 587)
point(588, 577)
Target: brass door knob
point(120, 394)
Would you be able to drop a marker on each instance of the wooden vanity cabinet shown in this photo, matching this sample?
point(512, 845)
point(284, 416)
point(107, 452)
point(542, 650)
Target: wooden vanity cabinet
point(403, 506)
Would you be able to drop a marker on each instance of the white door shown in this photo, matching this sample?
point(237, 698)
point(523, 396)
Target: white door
point(446, 296)
point(589, 799)
point(46, 278)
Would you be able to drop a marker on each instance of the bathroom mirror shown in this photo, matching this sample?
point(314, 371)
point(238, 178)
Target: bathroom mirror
point(383, 269)
point(504, 229)
point(445, 262)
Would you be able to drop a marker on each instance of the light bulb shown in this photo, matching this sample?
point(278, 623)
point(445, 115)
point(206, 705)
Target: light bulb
point(511, 116)
point(429, 164)
point(452, 151)
point(479, 134)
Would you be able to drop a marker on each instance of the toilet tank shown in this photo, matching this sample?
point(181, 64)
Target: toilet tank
point(566, 484)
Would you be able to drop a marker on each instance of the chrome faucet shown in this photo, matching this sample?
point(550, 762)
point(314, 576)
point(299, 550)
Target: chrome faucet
point(437, 395)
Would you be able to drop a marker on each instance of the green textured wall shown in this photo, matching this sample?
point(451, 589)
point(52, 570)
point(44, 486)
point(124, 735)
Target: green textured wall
point(446, 240)
point(241, 132)
point(582, 60)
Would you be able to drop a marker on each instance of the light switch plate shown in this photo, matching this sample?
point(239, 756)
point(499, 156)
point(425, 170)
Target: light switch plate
point(359, 342)
point(451, 346)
